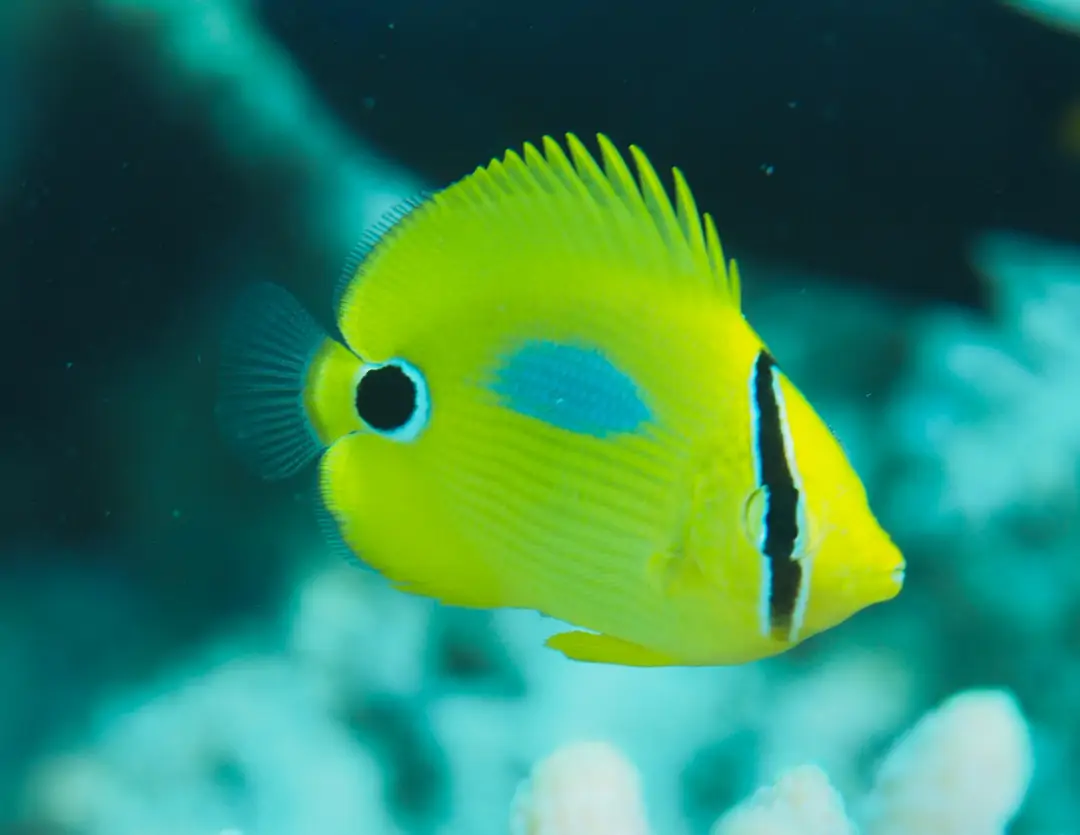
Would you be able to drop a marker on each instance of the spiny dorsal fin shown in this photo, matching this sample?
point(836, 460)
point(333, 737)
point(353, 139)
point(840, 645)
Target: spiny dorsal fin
point(542, 212)
point(689, 237)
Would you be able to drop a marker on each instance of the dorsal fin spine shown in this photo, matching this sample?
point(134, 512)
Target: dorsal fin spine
point(590, 172)
point(659, 206)
point(618, 174)
point(517, 171)
point(734, 283)
point(538, 165)
point(719, 267)
point(689, 220)
point(563, 168)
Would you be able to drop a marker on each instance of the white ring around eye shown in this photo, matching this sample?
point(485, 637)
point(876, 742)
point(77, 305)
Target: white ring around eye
point(418, 420)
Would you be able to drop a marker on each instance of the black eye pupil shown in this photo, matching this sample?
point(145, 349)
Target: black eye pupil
point(386, 398)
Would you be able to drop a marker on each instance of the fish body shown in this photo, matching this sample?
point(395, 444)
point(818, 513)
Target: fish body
point(547, 397)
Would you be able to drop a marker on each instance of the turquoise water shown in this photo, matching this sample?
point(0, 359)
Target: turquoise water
point(181, 651)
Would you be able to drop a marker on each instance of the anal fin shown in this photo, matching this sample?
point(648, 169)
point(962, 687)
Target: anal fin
point(605, 649)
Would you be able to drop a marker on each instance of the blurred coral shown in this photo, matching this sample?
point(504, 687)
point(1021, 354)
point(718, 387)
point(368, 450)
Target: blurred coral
point(1003, 387)
point(259, 109)
point(802, 802)
point(1061, 14)
point(962, 770)
point(247, 744)
point(585, 788)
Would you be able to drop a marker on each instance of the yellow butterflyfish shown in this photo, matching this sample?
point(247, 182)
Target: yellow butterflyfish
point(545, 396)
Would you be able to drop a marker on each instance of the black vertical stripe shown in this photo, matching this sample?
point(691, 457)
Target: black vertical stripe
point(781, 500)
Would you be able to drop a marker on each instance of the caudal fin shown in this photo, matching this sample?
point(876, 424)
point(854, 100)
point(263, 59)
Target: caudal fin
point(269, 344)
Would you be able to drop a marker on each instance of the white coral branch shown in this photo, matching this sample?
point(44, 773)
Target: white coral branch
point(802, 802)
point(963, 769)
point(585, 788)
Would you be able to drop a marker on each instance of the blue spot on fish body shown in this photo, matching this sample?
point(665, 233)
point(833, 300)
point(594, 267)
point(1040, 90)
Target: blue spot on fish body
point(571, 387)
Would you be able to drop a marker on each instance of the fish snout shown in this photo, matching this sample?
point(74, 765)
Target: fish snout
point(886, 578)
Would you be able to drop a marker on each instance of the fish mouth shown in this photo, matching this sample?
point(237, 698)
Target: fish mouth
point(894, 582)
point(885, 584)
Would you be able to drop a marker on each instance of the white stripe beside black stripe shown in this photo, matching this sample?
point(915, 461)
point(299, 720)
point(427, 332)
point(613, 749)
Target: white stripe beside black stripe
point(785, 591)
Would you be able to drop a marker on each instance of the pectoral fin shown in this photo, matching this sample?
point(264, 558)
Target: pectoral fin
point(604, 649)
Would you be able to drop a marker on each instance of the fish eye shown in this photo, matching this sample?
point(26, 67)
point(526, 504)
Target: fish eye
point(392, 399)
